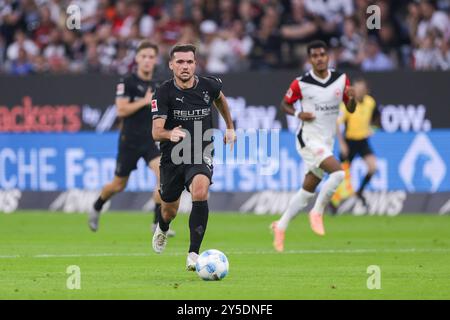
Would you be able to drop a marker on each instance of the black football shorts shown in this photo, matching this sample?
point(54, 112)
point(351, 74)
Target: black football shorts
point(175, 178)
point(358, 147)
point(129, 155)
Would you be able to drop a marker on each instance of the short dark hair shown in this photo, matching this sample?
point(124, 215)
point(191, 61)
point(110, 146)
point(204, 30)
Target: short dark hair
point(182, 48)
point(316, 44)
point(145, 44)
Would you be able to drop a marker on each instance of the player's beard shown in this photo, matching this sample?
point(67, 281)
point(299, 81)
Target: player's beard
point(183, 79)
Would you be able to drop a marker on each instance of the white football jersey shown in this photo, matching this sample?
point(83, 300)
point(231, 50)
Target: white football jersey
point(322, 98)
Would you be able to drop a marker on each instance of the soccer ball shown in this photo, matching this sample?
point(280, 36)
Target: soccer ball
point(212, 265)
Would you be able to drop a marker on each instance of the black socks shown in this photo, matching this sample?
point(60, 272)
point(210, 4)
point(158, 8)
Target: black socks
point(365, 181)
point(98, 205)
point(157, 216)
point(197, 224)
point(164, 226)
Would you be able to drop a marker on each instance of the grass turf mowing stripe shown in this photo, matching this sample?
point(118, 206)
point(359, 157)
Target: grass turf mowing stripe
point(300, 252)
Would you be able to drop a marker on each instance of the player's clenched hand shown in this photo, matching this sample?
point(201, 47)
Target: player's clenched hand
point(350, 92)
point(230, 138)
point(306, 116)
point(176, 134)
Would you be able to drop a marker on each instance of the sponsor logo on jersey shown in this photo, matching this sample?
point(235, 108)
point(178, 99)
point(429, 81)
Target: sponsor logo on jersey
point(338, 93)
point(196, 114)
point(154, 105)
point(289, 93)
point(120, 90)
point(326, 108)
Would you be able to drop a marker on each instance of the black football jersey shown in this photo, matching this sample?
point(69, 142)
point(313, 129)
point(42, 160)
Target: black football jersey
point(136, 127)
point(189, 108)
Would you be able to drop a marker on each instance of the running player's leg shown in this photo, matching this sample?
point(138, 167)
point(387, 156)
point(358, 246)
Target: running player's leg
point(168, 213)
point(198, 219)
point(126, 162)
point(117, 185)
point(154, 166)
point(371, 162)
point(197, 180)
point(336, 175)
point(170, 189)
point(344, 190)
point(298, 202)
point(152, 157)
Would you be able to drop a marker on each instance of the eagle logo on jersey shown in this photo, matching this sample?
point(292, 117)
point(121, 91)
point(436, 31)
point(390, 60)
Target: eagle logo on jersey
point(206, 96)
point(338, 93)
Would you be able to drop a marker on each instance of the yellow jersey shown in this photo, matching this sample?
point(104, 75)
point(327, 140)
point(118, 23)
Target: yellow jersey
point(358, 124)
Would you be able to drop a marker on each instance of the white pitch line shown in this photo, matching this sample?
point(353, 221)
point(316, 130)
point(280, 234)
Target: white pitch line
point(231, 252)
point(10, 257)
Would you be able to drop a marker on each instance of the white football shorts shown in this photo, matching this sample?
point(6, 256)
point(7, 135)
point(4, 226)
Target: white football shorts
point(313, 151)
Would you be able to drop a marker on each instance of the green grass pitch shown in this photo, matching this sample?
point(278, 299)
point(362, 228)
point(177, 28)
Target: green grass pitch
point(412, 251)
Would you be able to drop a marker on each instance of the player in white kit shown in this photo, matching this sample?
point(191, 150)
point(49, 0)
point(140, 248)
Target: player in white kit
point(320, 91)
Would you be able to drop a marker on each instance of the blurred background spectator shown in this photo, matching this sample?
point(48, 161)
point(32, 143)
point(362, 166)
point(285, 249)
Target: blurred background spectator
point(232, 35)
point(375, 59)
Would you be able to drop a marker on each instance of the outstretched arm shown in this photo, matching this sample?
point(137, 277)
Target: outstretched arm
point(222, 105)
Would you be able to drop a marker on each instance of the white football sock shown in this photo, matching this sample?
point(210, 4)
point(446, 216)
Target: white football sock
point(327, 191)
point(297, 203)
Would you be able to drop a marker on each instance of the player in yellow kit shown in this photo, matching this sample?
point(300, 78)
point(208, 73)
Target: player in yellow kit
point(355, 138)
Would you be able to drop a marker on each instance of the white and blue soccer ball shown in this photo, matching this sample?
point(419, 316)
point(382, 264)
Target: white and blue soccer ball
point(212, 265)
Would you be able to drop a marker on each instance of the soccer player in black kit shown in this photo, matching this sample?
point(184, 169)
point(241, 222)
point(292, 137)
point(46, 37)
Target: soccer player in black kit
point(181, 107)
point(133, 98)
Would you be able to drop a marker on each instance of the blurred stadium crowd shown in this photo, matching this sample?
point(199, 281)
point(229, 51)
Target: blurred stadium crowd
point(231, 35)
